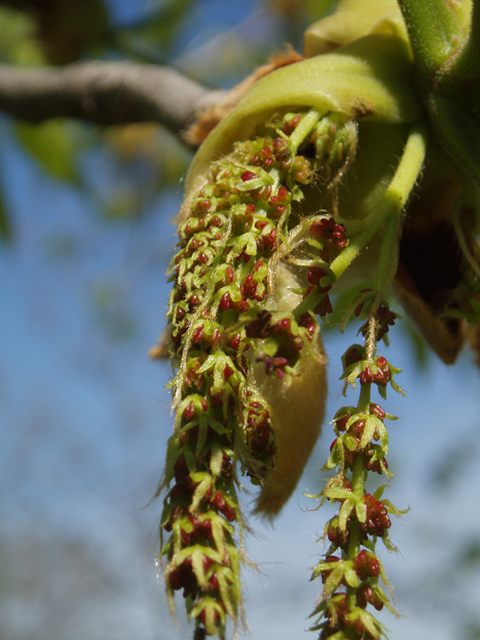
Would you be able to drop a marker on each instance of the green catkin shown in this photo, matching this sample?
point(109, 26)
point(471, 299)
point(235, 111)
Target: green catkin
point(350, 570)
point(244, 225)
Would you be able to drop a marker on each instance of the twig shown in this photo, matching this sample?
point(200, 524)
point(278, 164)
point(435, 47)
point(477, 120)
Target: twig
point(107, 93)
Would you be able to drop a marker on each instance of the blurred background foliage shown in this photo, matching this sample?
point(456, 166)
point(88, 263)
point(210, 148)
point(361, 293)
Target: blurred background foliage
point(85, 217)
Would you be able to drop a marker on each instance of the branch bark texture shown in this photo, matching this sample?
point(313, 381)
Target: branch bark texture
point(108, 93)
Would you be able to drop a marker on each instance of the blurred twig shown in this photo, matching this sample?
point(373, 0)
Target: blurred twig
point(107, 93)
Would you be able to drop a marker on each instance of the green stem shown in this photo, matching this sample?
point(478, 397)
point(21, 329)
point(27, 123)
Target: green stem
point(358, 482)
point(465, 65)
point(358, 488)
point(432, 28)
point(392, 201)
point(364, 400)
point(388, 260)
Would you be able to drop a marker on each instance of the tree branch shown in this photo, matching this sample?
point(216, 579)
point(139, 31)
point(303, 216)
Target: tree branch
point(107, 93)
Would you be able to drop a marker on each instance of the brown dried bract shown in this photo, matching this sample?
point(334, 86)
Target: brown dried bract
point(206, 120)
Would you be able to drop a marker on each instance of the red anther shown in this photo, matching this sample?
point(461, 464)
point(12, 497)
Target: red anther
point(229, 513)
point(213, 583)
point(189, 411)
point(366, 565)
point(258, 265)
point(296, 121)
point(272, 237)
point(268, 162)
point(314, 274)
point(176, 492)
point(202, 258)
point(230, 273)
point(340, 603)
point(180, 470)
point(225, 302)
point(332, 559)
point(264, 193)
point(377, 410)
point(250, 208)
point(374, 567)
point(366, 376)
point(376, 601)
point(227, 372)
point(204, 404)
point(194, 300)
point(283, 194)
point(219, 500)
point(319, 228)
point(280, 362)
point(236, 341)
point(175, 579)
point(197, 334)
point(352, 356)
point(259, 328)
point(205, 529)
point(179, 313)
point(381, 362)
point(284, 324)
point(248, 175)
point(324, 307)
point(308, 321)
point(342, 422)
point(364, 596)
point(358, 427)
point(266, 151)
point(261, 224)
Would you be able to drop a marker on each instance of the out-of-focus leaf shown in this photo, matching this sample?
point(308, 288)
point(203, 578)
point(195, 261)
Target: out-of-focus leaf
point(469, 556)
point(293, 9)
point(160, 30)
point(318, 9)
point(127, 203)
point(109, 303)
point(133, 140)
point(69, 30)
point(172, 159)
point(63, 247)
point(52, 146)
point(421, 351)
point(17, 42)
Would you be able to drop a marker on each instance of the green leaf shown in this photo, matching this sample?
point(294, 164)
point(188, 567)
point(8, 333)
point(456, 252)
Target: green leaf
point(52, 146)
point(157, 32)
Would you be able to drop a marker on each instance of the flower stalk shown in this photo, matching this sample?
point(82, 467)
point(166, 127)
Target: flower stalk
point(351, 571)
